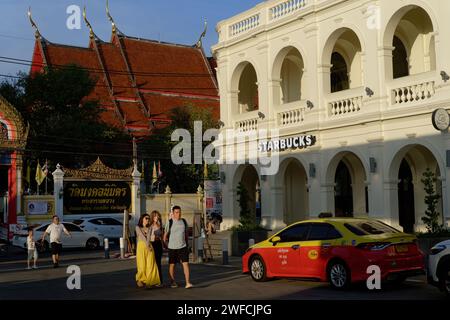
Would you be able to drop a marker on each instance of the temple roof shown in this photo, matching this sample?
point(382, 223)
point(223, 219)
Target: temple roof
point(138, 80)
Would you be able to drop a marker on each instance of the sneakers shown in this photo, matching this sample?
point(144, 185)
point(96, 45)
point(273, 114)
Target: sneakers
point(189, 285)
point(35, 267)
point(28, 268)
point(174, 285)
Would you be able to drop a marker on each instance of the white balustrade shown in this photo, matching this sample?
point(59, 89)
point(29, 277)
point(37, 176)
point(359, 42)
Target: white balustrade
point(346, 106)
point(413, 93)
point(285, 8)
point(291, 117)
point(245, 25)
point(247, 125)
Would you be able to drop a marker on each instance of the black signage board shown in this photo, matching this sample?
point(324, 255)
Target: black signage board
point(96, 197)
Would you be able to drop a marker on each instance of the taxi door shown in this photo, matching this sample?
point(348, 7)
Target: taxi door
point(317, 249)
point(285, 255)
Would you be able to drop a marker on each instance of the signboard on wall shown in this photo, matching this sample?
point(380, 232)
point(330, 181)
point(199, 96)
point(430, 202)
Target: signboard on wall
point(213, 197)
point(96, 197)
point(38, 207)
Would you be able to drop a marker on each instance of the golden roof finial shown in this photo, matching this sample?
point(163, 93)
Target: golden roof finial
point(37, 34)
point(199, 42)
point(91, 31)
point(114, 26)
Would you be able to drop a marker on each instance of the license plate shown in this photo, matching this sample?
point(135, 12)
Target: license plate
point(401, 248)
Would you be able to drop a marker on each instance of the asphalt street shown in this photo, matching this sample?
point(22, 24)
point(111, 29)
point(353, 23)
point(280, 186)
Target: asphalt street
point(114, 279)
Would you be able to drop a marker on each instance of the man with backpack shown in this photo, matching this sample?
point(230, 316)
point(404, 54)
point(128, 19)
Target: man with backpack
point(176, 234)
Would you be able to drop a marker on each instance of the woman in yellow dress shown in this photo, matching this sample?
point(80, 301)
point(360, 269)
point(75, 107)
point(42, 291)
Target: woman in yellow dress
point(147, 270)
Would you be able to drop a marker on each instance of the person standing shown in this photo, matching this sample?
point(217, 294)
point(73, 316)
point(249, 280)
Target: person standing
point(156, 235)
point(147, 274)
point(32, 252)
point(176, 234)
point(55, 230)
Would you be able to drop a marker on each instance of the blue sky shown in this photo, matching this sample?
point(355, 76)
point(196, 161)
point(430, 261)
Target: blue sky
point(179, 21)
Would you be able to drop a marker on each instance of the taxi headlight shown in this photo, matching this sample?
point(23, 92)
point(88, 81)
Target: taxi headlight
point(438, 249)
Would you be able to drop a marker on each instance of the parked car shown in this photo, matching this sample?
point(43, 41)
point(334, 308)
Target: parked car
point(79, 238)
point(337, 250)
point(439, 266)
point(111, 228)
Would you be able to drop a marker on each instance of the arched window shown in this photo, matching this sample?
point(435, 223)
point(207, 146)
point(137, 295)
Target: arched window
point(400, 59)
point(248, 90)
point(291, 77)
point(339, 73)
point(412, 35)
point(343, 51)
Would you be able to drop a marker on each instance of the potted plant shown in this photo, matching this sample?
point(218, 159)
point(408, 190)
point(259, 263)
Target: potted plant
point(436, 232)
point(248, 228)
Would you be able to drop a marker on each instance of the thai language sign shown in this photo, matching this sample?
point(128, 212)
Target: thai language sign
point(94, 197)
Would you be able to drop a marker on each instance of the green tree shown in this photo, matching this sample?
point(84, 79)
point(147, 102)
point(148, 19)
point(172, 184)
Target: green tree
point(65, 125)
point(432, 216)
point(184, 178)
point(247, 220)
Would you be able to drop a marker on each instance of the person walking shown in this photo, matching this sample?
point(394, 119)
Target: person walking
point(147, 274)
point(156, 235)
point(32, 251)
point(176, 235)
point(55, 230)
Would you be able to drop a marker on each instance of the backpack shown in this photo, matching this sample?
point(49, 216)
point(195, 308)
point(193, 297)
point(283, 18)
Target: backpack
point(186, 231)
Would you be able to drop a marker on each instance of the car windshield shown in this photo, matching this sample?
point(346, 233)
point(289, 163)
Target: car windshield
point(361, 228)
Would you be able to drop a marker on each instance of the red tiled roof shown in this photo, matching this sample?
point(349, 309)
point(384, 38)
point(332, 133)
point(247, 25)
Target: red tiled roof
point(166, 76)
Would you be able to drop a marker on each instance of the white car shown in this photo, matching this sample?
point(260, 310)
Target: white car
point(111, 228)
point(79, 238)
point(439, 266)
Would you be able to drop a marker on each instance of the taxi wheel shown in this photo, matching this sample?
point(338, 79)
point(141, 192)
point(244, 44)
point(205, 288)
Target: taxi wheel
point(338, 275)
point(258, 269)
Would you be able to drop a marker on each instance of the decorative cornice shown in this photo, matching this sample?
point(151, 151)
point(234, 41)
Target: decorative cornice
point(11, 114)
point(98, 170)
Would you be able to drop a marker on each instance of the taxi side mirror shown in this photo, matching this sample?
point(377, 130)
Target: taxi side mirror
point(275, 240)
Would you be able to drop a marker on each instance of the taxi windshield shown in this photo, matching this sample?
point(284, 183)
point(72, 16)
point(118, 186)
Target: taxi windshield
point(361, 228)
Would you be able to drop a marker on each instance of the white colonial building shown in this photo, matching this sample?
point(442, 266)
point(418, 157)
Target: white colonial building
point(364, 78)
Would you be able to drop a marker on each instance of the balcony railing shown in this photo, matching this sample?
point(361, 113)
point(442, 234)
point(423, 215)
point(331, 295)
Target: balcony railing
point(291, 114)
point(413, 93)
point(285, 8)
point(247, 122)
point(245, 25)
point(345, 102)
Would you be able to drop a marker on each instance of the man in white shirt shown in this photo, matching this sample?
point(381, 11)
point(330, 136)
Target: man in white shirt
point(55, 231)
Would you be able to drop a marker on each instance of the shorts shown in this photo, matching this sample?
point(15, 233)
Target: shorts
point(56, 248)
point(32, 254)
point(178, 255)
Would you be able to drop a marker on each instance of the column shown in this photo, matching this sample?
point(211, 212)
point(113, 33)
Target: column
point(19, 172)
point(58, 180)
point(136, 195)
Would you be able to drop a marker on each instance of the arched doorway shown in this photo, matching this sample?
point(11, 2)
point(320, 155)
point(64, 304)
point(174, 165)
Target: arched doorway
point(408, 166)
point(406, 209)
point(295, 192)
point(250, 182)
point(348, 175)
point(343, 197)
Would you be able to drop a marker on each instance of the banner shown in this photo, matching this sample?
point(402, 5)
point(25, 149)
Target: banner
point(37, 207)
point(213, 197)
point(96, 197)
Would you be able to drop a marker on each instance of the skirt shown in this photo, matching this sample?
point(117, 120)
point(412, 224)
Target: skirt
point(147, 269)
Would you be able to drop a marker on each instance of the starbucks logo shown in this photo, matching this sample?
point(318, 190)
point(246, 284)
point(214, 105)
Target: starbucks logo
point(441, 119)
